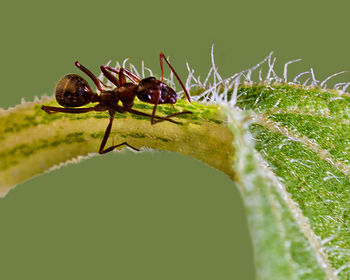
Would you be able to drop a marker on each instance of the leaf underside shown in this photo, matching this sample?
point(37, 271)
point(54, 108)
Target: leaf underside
point(303, 137)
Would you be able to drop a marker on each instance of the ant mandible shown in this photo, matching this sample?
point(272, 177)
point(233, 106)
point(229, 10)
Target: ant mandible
point(74, 91)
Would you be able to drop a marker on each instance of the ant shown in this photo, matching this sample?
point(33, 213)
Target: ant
point(74, 91)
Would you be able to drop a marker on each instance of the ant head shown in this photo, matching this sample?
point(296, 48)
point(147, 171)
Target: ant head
point(148, 88)
point(73, 91)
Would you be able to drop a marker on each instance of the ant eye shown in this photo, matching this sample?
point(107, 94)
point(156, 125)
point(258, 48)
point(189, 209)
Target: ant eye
point(146, 97)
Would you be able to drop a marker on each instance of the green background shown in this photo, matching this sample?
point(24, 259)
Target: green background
point(149, 215)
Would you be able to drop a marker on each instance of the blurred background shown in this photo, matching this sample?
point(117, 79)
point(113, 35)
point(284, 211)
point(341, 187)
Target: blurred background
point(149, 215)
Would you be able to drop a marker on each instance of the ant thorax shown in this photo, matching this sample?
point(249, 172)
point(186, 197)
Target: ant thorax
point(126, 94)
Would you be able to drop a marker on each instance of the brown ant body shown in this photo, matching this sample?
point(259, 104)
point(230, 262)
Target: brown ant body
point(74, 91)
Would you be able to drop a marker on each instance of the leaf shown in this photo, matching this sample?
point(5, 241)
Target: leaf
point(33, 142)
point(285, 146)
point(303, 137)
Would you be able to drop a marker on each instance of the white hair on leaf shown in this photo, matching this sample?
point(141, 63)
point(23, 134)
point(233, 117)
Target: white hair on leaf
point(215, 89)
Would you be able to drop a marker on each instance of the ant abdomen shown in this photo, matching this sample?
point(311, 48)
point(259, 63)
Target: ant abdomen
point(73, 91)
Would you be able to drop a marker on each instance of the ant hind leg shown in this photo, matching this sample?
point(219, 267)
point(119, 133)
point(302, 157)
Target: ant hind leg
point(52, 110)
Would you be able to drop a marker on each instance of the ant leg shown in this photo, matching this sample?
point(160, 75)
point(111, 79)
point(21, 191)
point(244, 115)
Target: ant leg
point(90, 74)
point(162, 56)
point(52, 110)
point(155, 107)
point(122, 76)
point(167, 118)
point(109, 76)
point(122, 73)
point(159, 119)
point(133, 78)
point(105, 138)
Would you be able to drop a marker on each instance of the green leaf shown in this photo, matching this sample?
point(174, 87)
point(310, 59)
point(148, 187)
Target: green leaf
point(303, 140)
point(286, 147)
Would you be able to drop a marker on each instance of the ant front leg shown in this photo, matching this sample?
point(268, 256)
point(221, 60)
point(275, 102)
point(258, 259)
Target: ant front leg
point(162, 56)
point(155, 107)
point(102, 149)
point(167, 117)
point(173, 115)
point(159, 119)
